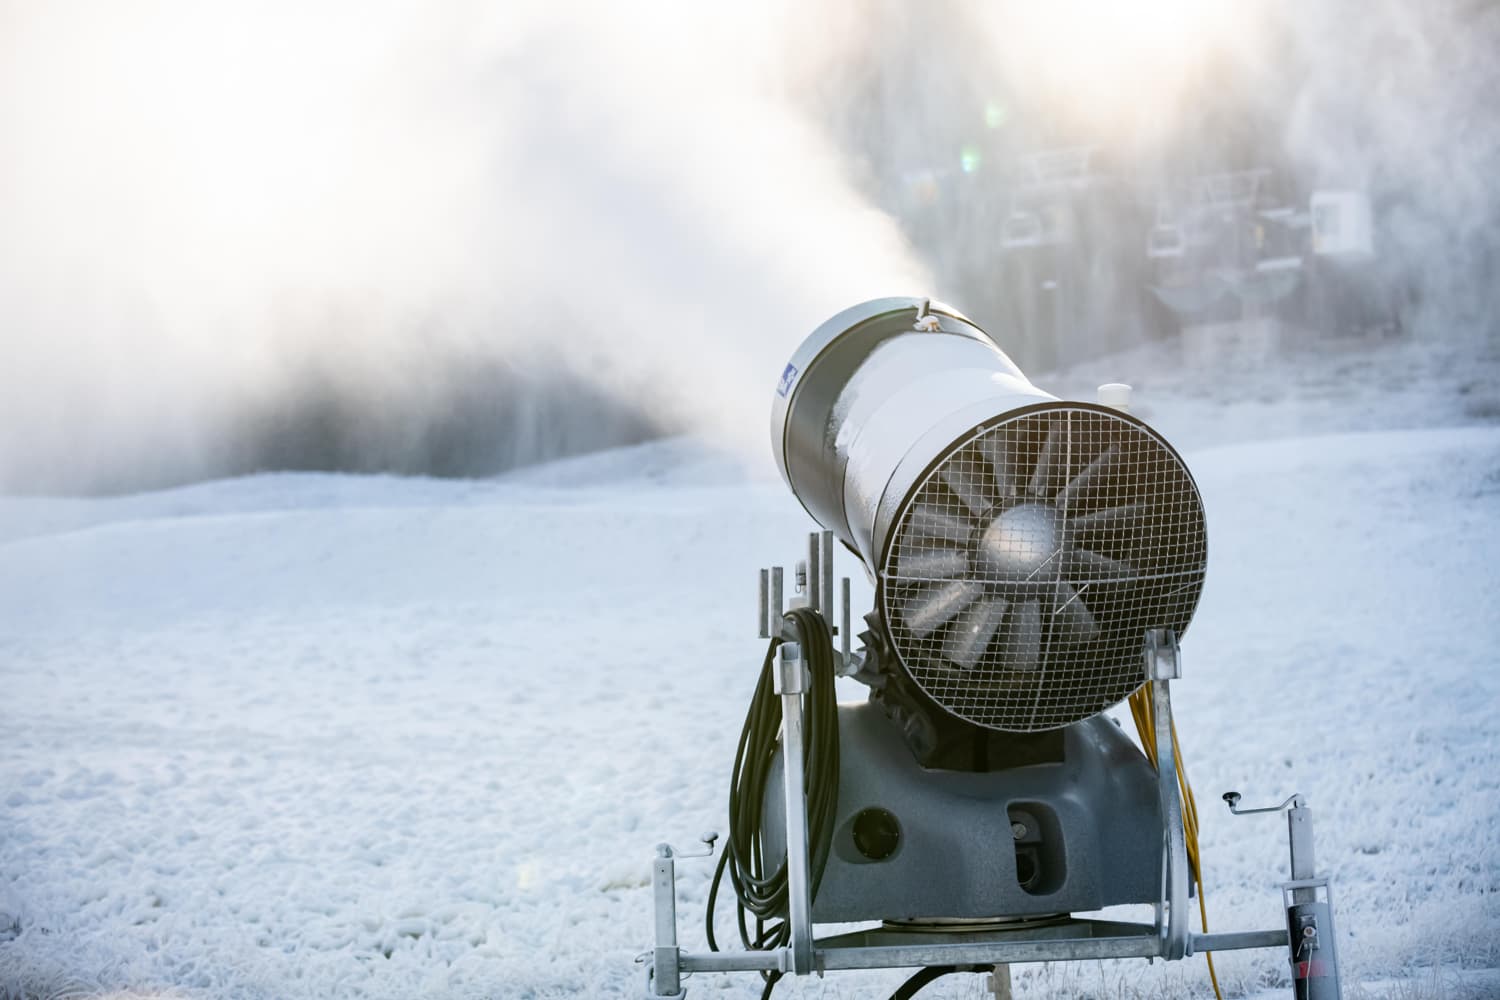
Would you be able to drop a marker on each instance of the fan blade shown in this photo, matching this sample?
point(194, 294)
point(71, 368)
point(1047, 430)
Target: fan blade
point(1002, 459)
point(1094, 568)
point(1111, 518)
point(1021, 642)
point(932, 562)
point(1093, 476)
point(973, 631)
point(965, 478)
point(931, 523)
point(1073, 616)
point(935, 603)
point(1050, 463)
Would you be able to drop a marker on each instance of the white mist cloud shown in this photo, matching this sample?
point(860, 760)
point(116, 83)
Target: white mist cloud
point(222, 217)
point(459, 236)
point(1399, 99)
point(1385, 97)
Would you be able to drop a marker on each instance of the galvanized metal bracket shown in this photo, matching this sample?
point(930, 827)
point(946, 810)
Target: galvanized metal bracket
point(1163, 656)
point(664, 974)
point(1162, 664)
point(813, 588)
point(791, 671)
point(791, 678)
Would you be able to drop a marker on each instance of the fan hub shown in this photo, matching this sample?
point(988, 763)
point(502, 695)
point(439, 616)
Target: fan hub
point(1019, 543)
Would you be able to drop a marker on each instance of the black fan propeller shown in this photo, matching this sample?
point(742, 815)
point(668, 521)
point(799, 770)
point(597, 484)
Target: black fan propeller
point(1032, 557)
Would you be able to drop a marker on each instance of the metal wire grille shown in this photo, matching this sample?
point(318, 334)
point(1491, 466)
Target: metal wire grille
point(1026, 568)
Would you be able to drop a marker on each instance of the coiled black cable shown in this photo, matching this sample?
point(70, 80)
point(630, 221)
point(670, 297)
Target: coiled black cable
point(760, 883)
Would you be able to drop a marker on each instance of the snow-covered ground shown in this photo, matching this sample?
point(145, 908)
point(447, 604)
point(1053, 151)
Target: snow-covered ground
point(317, 736)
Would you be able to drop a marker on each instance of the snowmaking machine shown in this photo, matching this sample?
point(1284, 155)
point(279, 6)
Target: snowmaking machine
point(1034, 563)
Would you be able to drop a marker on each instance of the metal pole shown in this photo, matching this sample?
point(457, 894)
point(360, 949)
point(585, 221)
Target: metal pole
point(666, 972)
point(814, 574)
point(1175, 940)
point(765, 604)
point(998, 982)
point(1300, 840)
point(791, 679)
point(844, 631)
point(825, 575)
point(1163, 665)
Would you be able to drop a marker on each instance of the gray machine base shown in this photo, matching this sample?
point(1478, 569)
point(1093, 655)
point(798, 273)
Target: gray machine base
point(1062, 837)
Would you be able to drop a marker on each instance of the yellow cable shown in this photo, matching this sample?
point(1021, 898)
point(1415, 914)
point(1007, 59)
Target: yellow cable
point(1145, 724)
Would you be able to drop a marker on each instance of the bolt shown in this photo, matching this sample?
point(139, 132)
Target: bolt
point(1018, 830)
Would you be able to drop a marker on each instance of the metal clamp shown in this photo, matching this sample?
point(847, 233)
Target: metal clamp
point(1163, 657)
point(791, 670)
point(926, 322)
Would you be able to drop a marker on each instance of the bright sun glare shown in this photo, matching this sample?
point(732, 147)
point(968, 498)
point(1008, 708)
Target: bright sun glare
point(1114, 64)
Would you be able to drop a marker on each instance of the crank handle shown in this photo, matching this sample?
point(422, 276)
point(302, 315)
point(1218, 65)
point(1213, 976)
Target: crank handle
point(1294, 801)
point(708, 840)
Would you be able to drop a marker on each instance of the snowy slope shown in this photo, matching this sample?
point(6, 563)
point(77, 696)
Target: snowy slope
point(310, 736)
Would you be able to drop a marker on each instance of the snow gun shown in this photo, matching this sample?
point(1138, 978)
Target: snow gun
point(1034, 563)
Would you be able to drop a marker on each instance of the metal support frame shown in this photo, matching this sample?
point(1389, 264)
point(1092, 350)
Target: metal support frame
point(1070, 940)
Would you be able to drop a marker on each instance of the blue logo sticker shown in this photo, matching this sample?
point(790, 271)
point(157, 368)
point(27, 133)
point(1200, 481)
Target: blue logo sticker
point(787, 378)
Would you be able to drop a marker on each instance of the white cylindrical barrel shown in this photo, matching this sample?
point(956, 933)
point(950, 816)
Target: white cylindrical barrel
point(1021, 546)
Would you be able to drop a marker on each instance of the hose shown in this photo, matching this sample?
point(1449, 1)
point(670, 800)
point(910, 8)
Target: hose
point(759, 882)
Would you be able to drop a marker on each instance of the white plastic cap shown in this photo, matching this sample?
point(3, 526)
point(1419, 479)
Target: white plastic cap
point(1115, 395)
